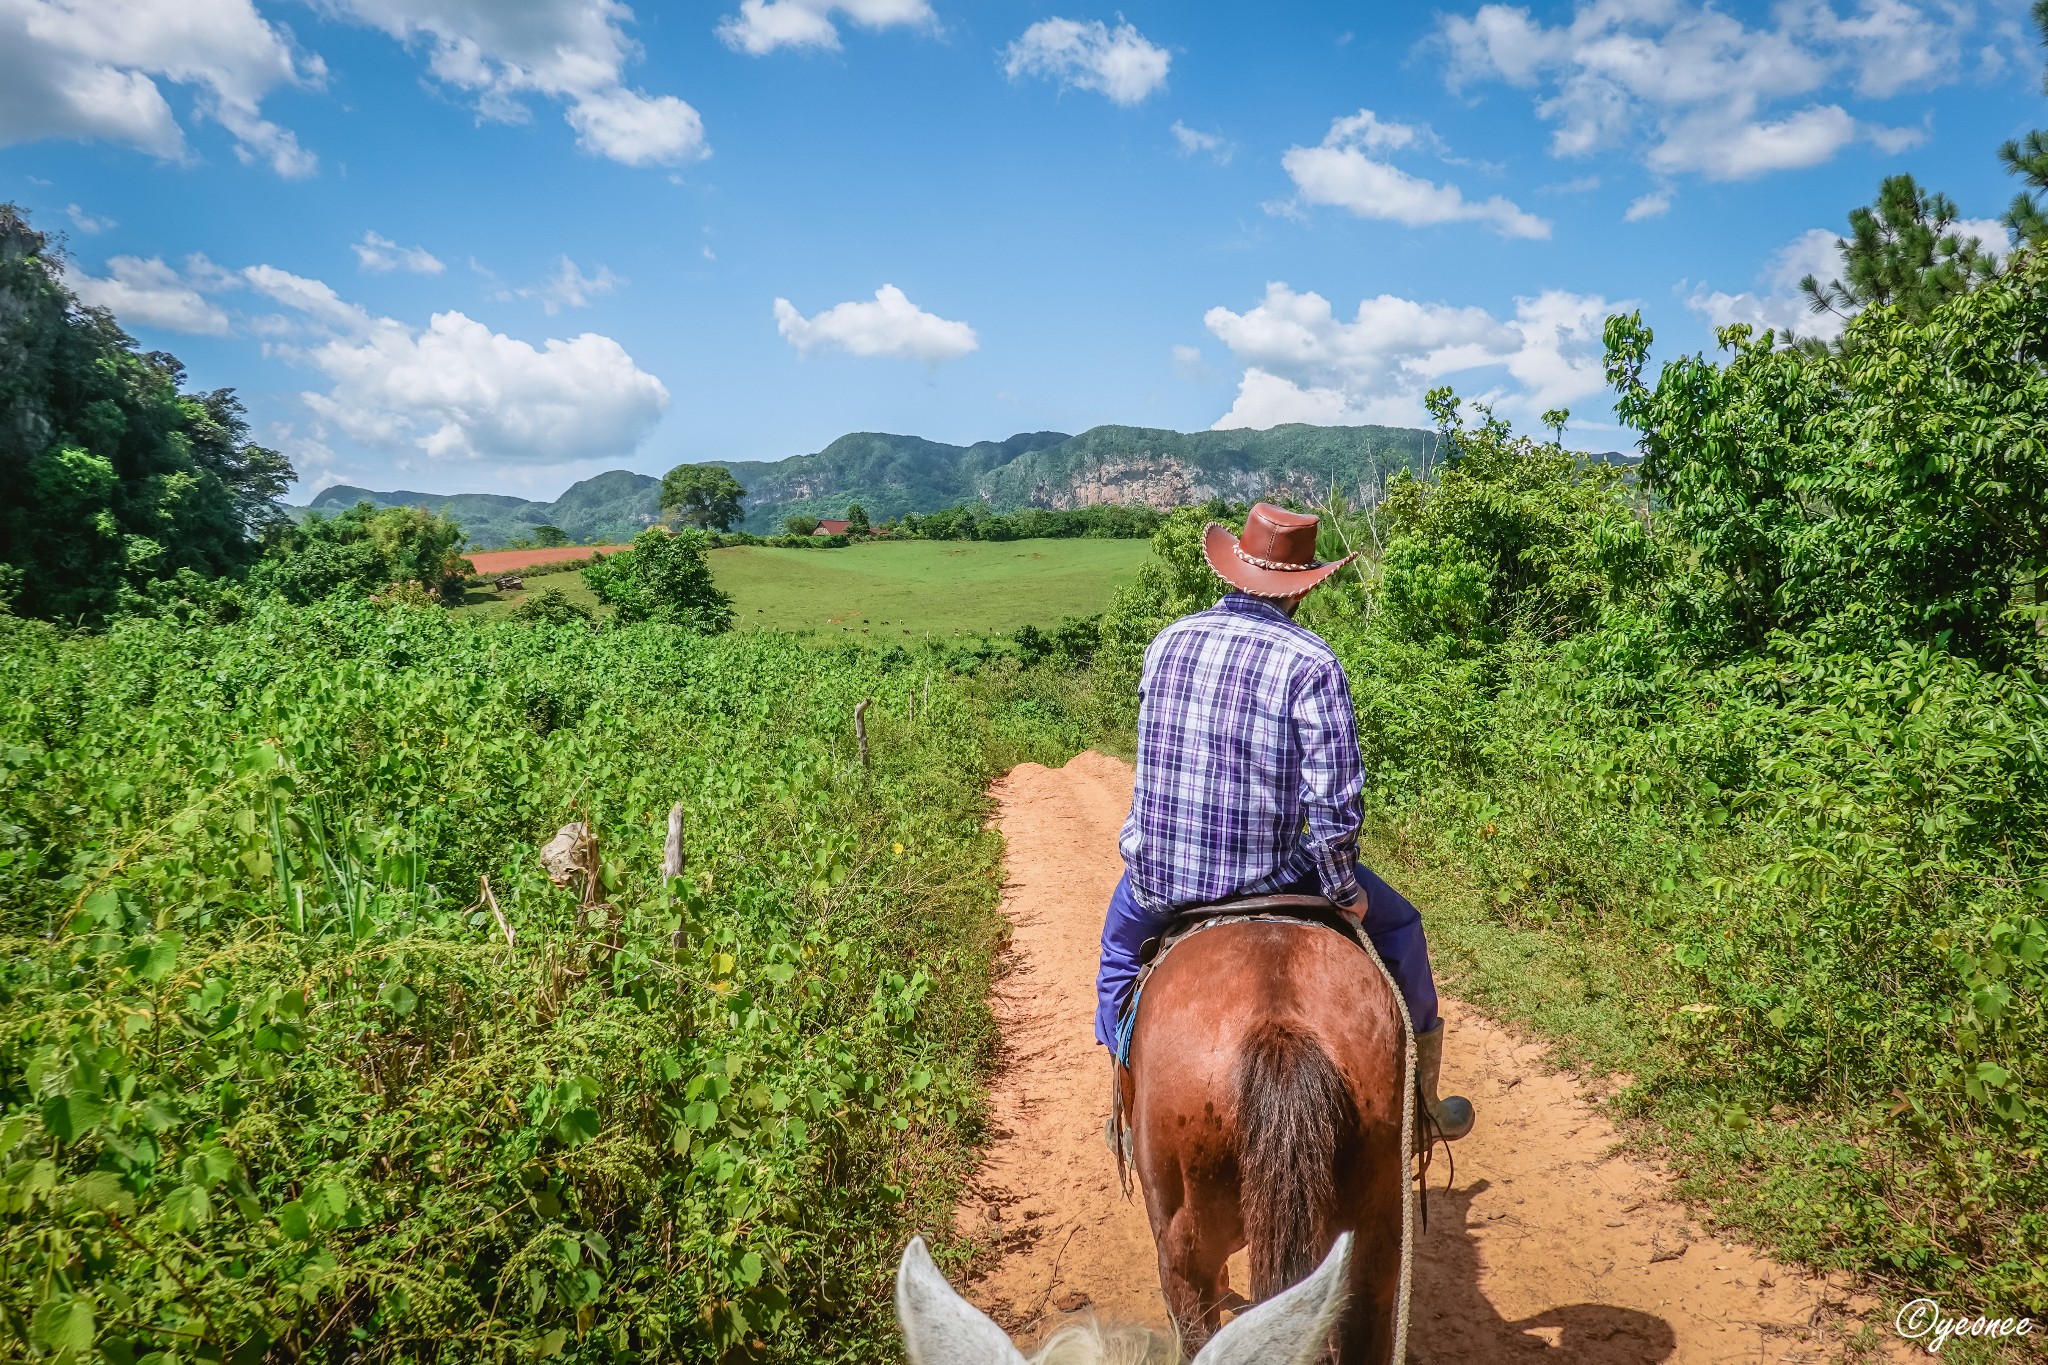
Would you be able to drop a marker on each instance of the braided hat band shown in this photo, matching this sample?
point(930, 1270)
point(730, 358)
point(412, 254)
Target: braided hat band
point(1275, 565)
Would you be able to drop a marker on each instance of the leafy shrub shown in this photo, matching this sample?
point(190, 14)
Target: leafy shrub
point(280, 1076)
point(664, 578)
point(549, 607)
point(364, 551)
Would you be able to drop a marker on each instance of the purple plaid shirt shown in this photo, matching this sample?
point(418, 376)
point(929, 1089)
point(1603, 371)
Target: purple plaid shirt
point(1248, 766)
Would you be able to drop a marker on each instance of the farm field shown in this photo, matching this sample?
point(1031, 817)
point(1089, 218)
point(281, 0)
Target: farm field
point(511, 561)
point(906, 588)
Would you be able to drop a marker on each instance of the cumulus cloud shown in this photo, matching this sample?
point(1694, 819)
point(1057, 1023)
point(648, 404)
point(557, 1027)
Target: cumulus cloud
point(1194, 142)
point(571, 51)
point(92, 71)
point(454, 389)
point(762, 26)
point(1776, 300)
point(890, 326)
point(379, 254)
point(1696, 89)
point(149, 293)
point(1116, 62)
point(1305, 364)
point(1349, 169)
point(458, 390)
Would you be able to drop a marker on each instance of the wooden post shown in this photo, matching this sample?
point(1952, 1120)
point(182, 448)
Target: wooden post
point(860, 728)
point(672, 854)
point(927, 693)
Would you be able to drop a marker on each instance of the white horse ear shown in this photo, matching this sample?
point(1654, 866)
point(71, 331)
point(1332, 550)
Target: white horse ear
point(1291, 1328)
point(939, 1327)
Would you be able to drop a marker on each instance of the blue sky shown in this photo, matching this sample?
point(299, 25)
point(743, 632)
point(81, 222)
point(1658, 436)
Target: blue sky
point(503, 244)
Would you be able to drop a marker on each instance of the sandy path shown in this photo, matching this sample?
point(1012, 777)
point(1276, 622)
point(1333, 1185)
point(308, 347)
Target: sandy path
point(1545, 1246)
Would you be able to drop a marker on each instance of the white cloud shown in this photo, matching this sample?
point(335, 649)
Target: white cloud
point(569, 287)
point(1117, 62)
point(1697, 89)
point(70, 69)
point(1345, 171)
point(87, 223)
point(378, 253)
point(314, 298)
point(1655, 204)
point(149, 293)
point(1304, 364)
point(1991, 234)
point(457, 390)
point(762, 26)
point(889, 326)
point(1195, 142)
point(1777, 303)
point(574, 51)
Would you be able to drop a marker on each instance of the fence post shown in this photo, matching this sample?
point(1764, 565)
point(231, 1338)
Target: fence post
point(860, 728)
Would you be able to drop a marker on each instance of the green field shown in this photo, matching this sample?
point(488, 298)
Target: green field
point(906, 588)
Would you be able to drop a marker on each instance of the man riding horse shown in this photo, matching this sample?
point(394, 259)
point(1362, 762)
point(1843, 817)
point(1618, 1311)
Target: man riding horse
point(1249, 779)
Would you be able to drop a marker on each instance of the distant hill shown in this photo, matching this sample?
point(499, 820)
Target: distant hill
point(612, 506)
point(891, 475)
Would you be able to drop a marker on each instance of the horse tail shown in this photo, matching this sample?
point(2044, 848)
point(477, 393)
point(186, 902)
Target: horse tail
point(1293, 1113)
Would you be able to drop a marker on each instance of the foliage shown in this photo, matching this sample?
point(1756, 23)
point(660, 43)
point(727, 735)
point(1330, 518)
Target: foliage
point(1897, 492)
point(705, 496)
point(364, 551)
point(2027, 158)
point(549, 607)
point(800, 526)
point(665, 578)
point(1513, 535)
point(857, 520)
point(112, 478)
point(1902, 252)
point(278, 1079)
point(550, 537)
point(607, 508)
point(973, 521)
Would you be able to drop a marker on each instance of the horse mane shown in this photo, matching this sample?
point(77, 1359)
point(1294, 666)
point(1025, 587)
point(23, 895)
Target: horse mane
point(1088, 1342)
point(1293, 1111)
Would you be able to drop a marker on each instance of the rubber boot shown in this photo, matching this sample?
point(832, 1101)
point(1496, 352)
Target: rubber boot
point(1453, 1115)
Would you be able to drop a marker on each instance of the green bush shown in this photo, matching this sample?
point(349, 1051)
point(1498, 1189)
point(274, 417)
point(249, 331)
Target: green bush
point(283, 1076)
point(550, 607)
point(664, 578)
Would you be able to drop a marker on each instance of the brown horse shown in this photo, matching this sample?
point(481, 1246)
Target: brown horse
point(1267, 1098)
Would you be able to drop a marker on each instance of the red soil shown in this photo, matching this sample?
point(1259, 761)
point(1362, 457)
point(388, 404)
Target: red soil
point(509, 561)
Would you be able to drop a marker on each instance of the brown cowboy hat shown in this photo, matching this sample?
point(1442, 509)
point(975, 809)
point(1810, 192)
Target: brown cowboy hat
point(1275, 557)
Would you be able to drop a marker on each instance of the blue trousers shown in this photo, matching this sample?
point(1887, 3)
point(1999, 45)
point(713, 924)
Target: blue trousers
point(1390, 922)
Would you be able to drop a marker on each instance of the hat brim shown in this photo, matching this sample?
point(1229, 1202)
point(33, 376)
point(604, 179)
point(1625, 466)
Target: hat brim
point(1219, 547)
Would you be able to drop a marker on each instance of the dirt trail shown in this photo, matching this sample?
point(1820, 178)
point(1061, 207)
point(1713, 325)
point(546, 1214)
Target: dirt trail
point(1546, 1246)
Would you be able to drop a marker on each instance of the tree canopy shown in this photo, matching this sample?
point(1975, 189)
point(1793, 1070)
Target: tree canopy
point(705, 496)
point(112, 477)
point(1902, 251)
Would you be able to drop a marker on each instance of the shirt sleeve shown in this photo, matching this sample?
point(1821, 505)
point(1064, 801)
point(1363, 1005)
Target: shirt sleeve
point(1332, 778)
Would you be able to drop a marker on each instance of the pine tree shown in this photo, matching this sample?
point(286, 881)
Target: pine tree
point(2027, 158)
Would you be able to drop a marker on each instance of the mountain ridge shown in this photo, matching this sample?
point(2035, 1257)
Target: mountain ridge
point(892, 474)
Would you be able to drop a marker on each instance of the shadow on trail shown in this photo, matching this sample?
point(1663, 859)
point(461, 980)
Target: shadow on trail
point(1451, 1322)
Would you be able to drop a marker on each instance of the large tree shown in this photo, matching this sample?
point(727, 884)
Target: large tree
point(1902, 251)
point(112, 478)
point(706, 496)
point(2027, 158)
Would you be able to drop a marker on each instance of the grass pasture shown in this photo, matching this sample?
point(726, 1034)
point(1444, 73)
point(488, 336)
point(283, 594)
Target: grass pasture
point(905, 588)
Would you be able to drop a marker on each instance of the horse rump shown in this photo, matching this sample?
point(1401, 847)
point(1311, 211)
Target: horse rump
point(1294, 1115)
